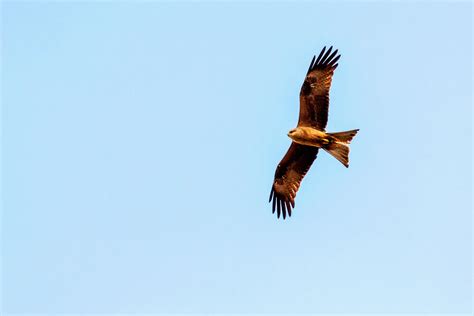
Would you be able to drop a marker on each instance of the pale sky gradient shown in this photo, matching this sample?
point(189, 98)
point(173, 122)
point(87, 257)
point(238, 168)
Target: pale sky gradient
point(140, 141)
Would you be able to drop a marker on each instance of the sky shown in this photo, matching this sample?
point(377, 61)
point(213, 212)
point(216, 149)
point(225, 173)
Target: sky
point(140, 140)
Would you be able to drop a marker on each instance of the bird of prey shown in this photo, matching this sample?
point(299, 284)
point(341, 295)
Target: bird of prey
point(309, 135)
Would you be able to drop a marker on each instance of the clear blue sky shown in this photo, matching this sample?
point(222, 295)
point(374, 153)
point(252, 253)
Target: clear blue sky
point(140, 142)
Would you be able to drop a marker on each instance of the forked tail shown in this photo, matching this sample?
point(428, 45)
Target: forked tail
point(339, 147)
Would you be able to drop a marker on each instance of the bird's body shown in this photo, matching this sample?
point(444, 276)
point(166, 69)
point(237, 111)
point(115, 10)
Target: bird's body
point(310, 135)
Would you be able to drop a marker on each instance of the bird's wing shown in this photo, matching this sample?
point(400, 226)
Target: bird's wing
point(288, 175)
point(314, 94)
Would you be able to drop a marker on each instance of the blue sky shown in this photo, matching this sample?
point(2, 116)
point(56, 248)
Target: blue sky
point(140, 141)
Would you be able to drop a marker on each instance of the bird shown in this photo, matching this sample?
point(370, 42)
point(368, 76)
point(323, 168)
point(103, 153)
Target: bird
point(309, 135)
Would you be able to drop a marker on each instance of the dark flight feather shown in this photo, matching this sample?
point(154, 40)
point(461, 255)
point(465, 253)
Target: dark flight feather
point(319, 56)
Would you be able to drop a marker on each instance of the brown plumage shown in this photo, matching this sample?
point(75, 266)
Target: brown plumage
point(310, 134)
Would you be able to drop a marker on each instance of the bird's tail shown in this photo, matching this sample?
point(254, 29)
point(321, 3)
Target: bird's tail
point(339, 148)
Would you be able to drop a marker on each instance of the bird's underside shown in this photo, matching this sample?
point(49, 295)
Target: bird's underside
point(309, 135)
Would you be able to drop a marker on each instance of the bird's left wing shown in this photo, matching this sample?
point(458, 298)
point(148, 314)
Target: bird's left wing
point(314, 94)
point(288, 175)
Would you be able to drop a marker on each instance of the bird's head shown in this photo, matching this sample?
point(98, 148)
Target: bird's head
point(293, 133)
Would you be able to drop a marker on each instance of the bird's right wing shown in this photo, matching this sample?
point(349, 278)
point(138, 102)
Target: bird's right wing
point(314, 94)
point(288, 175)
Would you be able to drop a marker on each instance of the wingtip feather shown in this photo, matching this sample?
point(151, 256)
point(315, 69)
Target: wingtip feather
point(288, 207)
point(278, 208)
point(319, 57)
point(329, 59)
point(283, 209)
point(334, 60)
point(325, 58)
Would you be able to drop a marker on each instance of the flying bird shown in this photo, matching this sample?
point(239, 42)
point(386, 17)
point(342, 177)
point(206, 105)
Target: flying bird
point(310, 134)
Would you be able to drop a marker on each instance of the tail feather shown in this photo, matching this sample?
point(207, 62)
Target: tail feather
point(345, 137)
point(339, 149)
